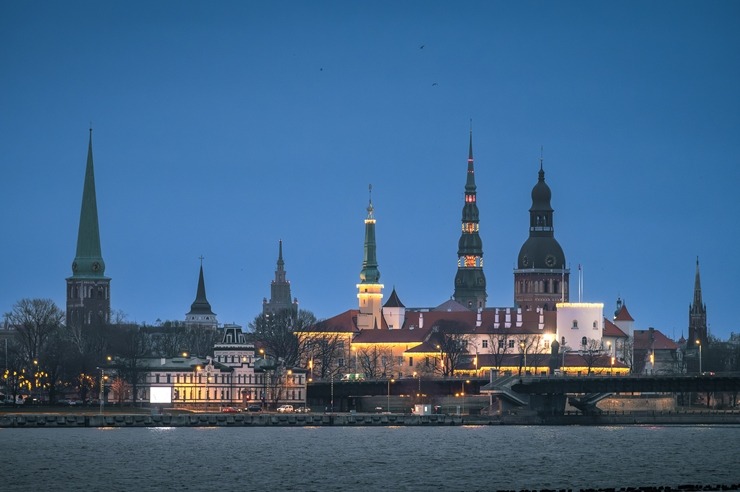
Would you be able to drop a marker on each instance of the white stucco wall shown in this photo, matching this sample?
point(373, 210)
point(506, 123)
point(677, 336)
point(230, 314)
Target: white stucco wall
point(576, 320)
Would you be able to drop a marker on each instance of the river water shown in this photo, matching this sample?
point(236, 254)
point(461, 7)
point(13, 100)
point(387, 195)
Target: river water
point(462, 458)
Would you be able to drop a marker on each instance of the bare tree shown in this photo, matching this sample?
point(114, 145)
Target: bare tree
point(453, 345)
point(499, 347)
point(277, 334)
point(591, 353)
point(35, 320)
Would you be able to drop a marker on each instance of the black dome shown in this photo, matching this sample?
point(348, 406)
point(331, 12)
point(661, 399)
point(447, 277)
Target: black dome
point(541, 194)
point(541, 253)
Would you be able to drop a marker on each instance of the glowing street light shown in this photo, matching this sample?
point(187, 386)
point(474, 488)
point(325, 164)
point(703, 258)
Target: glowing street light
point(388, 406)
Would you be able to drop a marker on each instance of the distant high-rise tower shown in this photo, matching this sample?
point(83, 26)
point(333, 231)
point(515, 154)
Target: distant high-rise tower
point(697, 316)
point(88, 289)
point(541, 279)
point(200, 313)
point(280, 300)
point(470, 281)
point(369, 290)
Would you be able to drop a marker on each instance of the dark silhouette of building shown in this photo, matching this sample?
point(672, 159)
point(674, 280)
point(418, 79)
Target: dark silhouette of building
point(280, 299)
point(200, 313)
point(698, 334)
point(88, 289)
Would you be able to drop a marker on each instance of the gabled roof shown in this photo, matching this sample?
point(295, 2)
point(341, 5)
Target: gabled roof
point(623, 314)
point(392, 336)
point(345, 322)
point(451, 305)
point(653, 339)
point(612, 330)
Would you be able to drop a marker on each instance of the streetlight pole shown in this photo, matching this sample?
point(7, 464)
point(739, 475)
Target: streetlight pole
point(698, 342)
point(102, 389)
point(388, 405)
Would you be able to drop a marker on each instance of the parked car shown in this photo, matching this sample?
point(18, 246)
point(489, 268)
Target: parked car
point(229, 410)
point(254, 408)
point(285, 409)
point(303, 410)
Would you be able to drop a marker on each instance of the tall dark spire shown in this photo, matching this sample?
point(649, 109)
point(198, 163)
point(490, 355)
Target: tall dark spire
point(88, 289)
point(470, 281)
point(88, 260)
point(280, 299)
point(698, 332)
point(200, 310)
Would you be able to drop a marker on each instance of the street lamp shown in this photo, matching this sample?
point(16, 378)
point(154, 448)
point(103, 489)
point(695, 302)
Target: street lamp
point(698, 342)
point(463, 395)
point(388, 406)
point(418, 395)
point(524, 352)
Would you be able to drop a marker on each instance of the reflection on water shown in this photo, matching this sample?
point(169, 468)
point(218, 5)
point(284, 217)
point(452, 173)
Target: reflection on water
point(368, 458)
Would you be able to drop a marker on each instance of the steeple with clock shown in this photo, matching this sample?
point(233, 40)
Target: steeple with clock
point(541, 277)
point(88, 289)
point(369, 290)
point(470, 281)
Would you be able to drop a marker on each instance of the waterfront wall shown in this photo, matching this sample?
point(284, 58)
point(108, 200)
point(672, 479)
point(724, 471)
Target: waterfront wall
point(318, 420)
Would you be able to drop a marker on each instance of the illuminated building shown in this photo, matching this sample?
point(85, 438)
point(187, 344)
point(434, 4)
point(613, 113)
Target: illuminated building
point(200, 313)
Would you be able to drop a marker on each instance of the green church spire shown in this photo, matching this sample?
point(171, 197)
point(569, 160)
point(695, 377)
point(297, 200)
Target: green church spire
point(88, 262)
point(370, 273)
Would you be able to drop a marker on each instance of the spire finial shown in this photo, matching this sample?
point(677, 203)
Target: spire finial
point(370, 201)
point(201, 258)
point(541, 156)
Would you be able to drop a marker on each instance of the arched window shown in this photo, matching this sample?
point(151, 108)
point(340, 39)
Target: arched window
point(584, 341)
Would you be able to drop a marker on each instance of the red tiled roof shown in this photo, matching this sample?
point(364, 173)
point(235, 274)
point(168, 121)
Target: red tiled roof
point(623, 314)
point(345, 322)
point(658, 341)
point(392, 336)
point(612, 330)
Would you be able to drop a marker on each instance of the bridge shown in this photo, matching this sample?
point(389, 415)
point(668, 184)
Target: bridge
point(548, 394)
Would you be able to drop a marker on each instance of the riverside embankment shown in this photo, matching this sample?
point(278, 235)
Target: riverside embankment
point(28, 420)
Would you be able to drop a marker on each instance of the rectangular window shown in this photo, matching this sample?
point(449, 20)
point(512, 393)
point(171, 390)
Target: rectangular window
point(511, 343)
point(485, 343)
point(340, 362)
point(411, 362)
point(575, 324)
point(501, 343)
point(168, 379)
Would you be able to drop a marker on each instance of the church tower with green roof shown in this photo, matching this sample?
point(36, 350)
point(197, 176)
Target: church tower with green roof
point(470, 281)
point(88, 289)
point(370, 290)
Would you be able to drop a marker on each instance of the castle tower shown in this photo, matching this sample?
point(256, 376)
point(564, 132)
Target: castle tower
point(541, 279)
point(697, 316)
point(280, 299)
point(470, 281)
point(394, 312)
point(200, 313)
point(88, 289)
point(369, 290)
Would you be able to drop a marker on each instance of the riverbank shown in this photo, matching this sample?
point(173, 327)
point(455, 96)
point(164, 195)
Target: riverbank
point(32, 420)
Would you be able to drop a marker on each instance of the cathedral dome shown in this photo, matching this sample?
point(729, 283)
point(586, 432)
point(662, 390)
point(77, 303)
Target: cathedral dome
point(541, 194)
point(541, 253)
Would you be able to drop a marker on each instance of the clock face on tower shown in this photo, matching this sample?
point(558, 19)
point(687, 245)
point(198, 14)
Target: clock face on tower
point(550, 261)
point(525, 261)
point(95, 266)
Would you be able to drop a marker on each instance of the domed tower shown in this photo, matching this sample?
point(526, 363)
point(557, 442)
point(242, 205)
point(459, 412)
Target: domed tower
point(470, 281)
point(541, 278)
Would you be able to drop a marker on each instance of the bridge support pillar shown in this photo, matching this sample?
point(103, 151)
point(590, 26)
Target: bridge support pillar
point(549, 404)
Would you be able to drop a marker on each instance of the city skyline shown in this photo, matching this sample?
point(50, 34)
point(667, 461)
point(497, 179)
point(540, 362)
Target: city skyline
point(220, 130)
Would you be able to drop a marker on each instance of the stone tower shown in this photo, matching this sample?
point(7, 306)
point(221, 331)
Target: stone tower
point(369, 290)
point(470, 281)
point(200, 313)
point(88, 289)
point(280, 299)
point(541, 278)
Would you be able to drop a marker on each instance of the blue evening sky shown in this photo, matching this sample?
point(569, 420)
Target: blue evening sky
point(223, 127)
